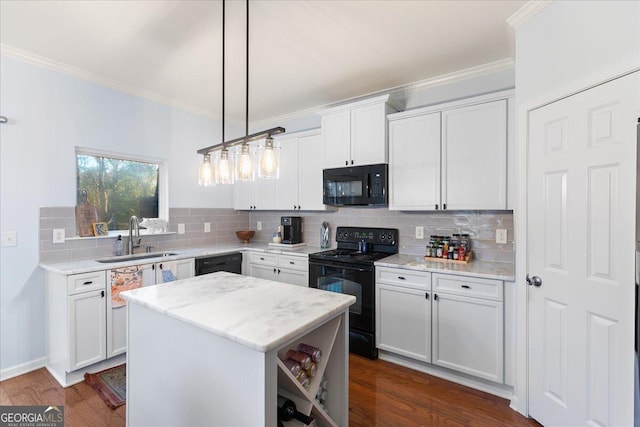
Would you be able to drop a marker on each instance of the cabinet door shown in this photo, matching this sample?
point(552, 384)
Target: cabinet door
point(310, 173)
point(263, 271)
point(180, 269)
point(265, 194)
point(474, 156)
point(468, 335)
point(185, 268)
point(369, 135)
point(287, 184)
point(87, 329)
point(148, 274)
point(404, 321)
point(293, 277)
point(244, 195)
point(336, 135)
point(414, 163)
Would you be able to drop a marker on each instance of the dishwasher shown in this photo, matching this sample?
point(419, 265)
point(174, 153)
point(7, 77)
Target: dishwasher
point(212, 263)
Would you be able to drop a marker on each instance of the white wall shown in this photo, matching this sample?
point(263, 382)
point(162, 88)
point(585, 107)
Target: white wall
point(51, 113)
point(570, 40)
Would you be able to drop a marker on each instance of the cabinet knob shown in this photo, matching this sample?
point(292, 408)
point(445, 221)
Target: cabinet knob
point(466, 286)
point(426, 295)
point(351, 161)
point(278, 271)
point(436, 206)
point(444, 206)
point(87, 283)
point(401, 278)
point(102, 294)
point(274, 269)
point(435, 297)
point(346, 162)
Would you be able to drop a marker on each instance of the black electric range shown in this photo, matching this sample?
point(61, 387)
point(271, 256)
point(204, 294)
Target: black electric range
point(350, 269)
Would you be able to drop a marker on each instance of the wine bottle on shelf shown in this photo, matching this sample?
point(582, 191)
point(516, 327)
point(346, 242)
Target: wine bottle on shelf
point(287, 411)
point(312, 351)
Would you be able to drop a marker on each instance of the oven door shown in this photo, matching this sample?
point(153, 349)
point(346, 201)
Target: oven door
point(353, 280)
point(345, 186)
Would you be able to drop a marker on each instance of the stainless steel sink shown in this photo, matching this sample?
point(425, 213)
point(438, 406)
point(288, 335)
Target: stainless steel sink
point(136, 257)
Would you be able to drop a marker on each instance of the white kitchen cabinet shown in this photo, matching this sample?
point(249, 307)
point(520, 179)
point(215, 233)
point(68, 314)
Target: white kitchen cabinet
point(287, 185)
point(290, 269)
point(474, 156)
point(414, 163)
point(255, 195)
point(403, 312)
point(356, 134)
point(87, 329)
point(447, 320)
point(451, 156)
point(76, 322)
point(180, 269)
point(468, 325)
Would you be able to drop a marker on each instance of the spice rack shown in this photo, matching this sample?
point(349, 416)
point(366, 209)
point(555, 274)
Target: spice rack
point(330, 366)
point(467, 259)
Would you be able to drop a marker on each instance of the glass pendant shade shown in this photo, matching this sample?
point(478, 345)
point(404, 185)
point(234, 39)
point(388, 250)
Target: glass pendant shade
point(206, 172)
point(269, 161)
point(244, 165)
point(223, 169)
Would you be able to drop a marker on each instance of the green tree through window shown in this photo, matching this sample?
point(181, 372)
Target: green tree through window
point(118, 188)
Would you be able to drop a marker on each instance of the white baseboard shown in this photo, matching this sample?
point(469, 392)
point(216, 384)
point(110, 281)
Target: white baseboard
point(23, 368)
point(496, 389)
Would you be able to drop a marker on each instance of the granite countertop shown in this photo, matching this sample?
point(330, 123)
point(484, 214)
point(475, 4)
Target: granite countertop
point(258, 313)
point(484, 269)
point(89, 265)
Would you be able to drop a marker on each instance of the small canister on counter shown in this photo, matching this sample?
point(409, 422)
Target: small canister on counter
point(428, 251)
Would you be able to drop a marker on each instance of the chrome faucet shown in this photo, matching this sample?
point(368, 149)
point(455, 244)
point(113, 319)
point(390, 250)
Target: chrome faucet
point(134, 223)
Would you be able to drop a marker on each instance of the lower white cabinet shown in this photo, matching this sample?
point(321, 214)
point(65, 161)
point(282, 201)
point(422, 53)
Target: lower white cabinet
point(87, 329)
point(452, 321)
point(290, 269)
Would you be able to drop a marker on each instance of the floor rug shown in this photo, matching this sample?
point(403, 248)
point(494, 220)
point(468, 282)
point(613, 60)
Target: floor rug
point(111, 385)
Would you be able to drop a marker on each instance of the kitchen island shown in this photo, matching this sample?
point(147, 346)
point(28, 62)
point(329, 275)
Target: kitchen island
point(208, 351)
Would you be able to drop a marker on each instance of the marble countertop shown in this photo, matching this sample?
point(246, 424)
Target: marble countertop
point(484, 269)
point(258, 313)
point(89, 265)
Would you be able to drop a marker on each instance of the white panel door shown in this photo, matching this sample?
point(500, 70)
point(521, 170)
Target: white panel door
point(474, 156)
point(287, 184)
point(310, 173)
point(581, 220)
point(369, 135)
point(414, 163)
point(336, 136)
point(263, 271)
point(244, 195)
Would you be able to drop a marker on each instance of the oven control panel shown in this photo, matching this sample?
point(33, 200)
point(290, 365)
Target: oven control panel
point(384, 236)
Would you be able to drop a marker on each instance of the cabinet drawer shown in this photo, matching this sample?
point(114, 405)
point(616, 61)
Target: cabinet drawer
point(406, 278)
point(262, 258)
point(293, 262)
point(85, 282)
point(468, 286)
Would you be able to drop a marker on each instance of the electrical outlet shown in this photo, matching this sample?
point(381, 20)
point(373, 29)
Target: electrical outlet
point(419, 232)
point(207, 227)
point(259, 225)
point(180, 228)
point(9, 238)
point(58, 235)
point(501, 236)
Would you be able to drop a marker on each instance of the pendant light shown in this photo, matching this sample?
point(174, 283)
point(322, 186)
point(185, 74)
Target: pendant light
point(206, 174)
point(222, 170)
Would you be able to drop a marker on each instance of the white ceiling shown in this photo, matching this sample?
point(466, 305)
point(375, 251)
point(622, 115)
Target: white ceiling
point(303, 54)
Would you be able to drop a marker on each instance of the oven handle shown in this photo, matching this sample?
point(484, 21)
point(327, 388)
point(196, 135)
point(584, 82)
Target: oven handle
point(338, 265)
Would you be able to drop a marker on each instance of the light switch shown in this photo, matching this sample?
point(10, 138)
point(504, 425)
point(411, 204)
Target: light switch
point(419, 232)
point(207, 227)
point(501, 236)
point(180, 228)
point(58, 235)
point(9, 238)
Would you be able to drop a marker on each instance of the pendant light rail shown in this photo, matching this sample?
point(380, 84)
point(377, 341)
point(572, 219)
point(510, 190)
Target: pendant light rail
point(253, 137)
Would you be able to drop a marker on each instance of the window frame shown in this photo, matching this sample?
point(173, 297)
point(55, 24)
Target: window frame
point(163, 178)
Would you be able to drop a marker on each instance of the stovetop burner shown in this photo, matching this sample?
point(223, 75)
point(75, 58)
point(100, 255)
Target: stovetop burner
point(381, 242)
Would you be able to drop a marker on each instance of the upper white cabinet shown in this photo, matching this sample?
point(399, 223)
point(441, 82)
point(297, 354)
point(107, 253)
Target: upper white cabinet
point(252, 195)
point(356, 134)
point(451, 156)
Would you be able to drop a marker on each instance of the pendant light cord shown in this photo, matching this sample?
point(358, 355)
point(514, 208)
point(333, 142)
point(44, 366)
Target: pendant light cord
point(223, 67)
point(246, 111)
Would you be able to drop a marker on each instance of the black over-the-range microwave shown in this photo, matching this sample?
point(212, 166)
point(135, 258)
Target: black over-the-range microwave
point(355, 186)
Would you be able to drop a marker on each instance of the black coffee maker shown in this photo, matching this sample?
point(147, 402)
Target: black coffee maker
point(291, 229)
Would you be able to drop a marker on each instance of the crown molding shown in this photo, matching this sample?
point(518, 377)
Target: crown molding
point(527, 12)
point(81, 74)
point(466, 73)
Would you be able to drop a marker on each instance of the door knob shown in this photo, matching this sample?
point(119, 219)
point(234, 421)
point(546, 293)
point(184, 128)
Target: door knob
point(534, 281)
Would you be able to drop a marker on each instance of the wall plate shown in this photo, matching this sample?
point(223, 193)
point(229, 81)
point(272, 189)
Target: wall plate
point(9, 238)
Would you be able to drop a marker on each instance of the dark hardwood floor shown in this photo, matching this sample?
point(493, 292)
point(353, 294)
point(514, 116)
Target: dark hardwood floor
point(381, 394)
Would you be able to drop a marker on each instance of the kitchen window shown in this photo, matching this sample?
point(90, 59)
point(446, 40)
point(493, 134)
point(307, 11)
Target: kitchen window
point(120, 186)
